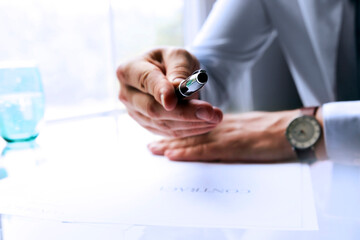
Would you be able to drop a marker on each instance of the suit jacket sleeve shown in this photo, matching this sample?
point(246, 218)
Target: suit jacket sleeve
point(235, 34)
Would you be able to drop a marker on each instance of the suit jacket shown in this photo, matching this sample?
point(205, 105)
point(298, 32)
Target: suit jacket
point(238, 33)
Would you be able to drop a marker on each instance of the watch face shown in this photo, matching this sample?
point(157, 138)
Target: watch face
point(303, 132)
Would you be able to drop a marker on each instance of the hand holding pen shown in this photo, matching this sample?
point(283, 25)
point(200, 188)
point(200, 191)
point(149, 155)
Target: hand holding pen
point(147, 88)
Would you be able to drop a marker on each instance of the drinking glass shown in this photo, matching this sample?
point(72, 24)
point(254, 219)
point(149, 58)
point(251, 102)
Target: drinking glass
point(22, 101)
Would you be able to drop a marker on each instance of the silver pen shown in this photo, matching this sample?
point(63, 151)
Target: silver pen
point(192, 84)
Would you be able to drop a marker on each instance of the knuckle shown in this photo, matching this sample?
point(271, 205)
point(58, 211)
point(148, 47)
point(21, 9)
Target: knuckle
point(131, 114)
point(155, 54)
point(143, 79)
point(181, 71)
point(163, 125)
point(120, 73)
point(151, 109)
point(187, 56)
point(181, 51)
point(122, 96)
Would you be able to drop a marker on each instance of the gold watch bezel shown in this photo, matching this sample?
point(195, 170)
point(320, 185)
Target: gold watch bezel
point(309, 141)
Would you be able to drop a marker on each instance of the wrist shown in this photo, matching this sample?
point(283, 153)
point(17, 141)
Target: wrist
point(304, 134)
point(320, 149)
point(290, 116)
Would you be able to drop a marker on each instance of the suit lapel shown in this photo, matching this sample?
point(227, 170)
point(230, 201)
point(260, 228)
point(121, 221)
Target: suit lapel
point(308, 31)
point(322, 19)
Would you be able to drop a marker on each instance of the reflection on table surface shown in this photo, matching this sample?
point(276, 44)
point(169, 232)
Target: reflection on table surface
point(336, 191)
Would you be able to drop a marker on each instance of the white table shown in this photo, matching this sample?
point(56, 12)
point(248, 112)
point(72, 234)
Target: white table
point(336, 190)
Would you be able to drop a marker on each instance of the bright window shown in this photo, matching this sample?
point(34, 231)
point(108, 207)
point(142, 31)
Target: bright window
point(78, 44)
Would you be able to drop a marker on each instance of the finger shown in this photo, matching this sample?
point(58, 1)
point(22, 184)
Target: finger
point(218, 115)
point(142, 102)
point(181, 129)
point(156, 131)
point(177, 133)
point(161, 146)
point(170, 125)
point(145, 122)
point(192, 111)
point(184, 125)
point(173, 143)
point(148, 78)
point(200, 152)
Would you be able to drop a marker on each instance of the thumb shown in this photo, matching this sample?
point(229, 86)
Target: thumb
point(180, 65)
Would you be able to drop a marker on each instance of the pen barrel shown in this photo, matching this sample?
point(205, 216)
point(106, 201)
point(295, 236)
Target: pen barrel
point(192, 84)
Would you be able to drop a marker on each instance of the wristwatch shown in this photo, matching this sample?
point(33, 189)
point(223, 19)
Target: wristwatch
point(303, 133)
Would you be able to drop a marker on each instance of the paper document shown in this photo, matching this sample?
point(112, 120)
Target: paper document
point(131, 186)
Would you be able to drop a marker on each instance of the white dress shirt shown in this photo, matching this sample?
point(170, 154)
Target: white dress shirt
point(310, 33)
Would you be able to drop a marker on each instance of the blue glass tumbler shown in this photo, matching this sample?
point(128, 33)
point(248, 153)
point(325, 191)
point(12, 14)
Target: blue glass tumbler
point(22, 101)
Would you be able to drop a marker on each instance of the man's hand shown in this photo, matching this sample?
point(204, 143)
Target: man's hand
point(247, 137)
point(147, 90)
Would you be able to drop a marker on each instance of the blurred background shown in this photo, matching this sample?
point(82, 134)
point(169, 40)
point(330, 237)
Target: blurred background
point(77, 44)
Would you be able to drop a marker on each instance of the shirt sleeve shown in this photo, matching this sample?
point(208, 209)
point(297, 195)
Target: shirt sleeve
point(342, 131)
point(233, 37)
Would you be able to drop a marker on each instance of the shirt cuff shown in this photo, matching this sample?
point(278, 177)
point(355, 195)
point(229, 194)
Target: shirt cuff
point(342, 131)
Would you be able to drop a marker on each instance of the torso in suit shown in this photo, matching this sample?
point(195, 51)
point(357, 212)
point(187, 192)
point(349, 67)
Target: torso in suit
point(309, 34)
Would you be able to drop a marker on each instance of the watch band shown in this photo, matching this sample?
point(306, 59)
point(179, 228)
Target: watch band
point(309, 153)
point(305, 154)
point(309, 111)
